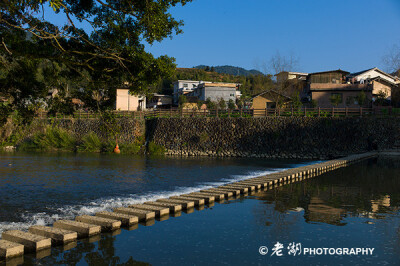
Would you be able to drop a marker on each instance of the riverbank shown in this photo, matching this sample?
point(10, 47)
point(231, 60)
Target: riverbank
point(269, 137)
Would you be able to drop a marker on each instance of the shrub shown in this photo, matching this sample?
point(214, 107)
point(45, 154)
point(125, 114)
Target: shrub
point(155, 149)
point(90, 143)
point(52, 139)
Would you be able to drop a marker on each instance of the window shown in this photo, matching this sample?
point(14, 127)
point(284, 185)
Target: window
point(185, 85)
point(232, 95)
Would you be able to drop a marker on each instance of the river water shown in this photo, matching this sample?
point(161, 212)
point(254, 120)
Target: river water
point(352, 207)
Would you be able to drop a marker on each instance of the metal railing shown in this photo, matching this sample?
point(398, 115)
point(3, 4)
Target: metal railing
point(278, 112)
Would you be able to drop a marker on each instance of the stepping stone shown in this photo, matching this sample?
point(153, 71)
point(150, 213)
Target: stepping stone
point(226, 193)
point(57, 235)
point(126, 220)
point(242, 189)
point(160, 211)
point(197, 202)
point(235, 192)
point(142, 214)
point(105, 223)
point(30, 241)
point(257, 185)
point(10, 249)
point(238, 185)
point(173, 207)
point(186, 204)
point(83, 229)
point(208, 199)
point(216, 195)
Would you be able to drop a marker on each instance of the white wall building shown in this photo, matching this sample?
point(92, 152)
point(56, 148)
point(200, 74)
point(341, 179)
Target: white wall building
point(127, 102)
point(182, 87)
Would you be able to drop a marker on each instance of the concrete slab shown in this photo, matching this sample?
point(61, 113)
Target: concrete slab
point(173, 207)
point(105, 223)
point(160, 211)
point(142, 214)
point(208, 199)
point(197, 202)
point(225, 192)
point(257, 185)
point(235, 191)
point(83, 229)
point(216, 195)
point(57, 235)
point(30, 241)
point(242, 189)
point(126, 220)
point(186, 204)
point(10, 249)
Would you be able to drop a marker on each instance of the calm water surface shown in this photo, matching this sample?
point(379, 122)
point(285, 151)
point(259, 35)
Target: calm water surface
point(357, 206)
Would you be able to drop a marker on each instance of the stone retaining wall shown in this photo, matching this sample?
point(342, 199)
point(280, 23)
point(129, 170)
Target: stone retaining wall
point(273, 137)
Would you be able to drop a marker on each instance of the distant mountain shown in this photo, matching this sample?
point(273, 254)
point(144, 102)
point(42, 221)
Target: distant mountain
point(231, 70)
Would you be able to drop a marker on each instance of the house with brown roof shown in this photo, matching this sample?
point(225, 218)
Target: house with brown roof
point(339, 88)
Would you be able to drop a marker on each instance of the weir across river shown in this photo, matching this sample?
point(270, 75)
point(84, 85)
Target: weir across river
point(40, 239)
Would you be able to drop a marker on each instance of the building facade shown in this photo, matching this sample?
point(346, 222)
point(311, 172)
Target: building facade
point(216, 91)
point(127, 102)
point(183, 87)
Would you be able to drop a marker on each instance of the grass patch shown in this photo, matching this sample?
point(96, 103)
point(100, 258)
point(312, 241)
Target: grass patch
point(53, 139)
point(90, 143)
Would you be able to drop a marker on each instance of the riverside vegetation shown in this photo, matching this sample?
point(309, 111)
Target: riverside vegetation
point(69, 135)
point(264, 137)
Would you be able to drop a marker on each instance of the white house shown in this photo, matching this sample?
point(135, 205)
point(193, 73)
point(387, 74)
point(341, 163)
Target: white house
point(216, 91)
point(182, 87)
point(380, 80)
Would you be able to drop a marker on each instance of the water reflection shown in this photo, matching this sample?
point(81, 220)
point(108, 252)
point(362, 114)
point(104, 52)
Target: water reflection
point(98, 252)
point(370, 189)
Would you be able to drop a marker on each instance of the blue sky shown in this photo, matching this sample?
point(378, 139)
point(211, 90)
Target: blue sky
point(324, 34)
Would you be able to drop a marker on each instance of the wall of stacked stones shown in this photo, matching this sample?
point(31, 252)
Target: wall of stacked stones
point(273, 137)
point(127, 129)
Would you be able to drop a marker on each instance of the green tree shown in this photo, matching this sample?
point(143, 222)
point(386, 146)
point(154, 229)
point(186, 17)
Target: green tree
point(381, 98)
point(231, 104)
point(296, 102)
point(336, 99)
point(361, 98)
point(221, 104)
point(182, 100)
point(210, 104)
point(109, 54)
point(199, 104)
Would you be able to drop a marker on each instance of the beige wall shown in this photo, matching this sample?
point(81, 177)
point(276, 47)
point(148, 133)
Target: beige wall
point(127, 102)
point(323, 98)
point(378, 86)
point(260, 102)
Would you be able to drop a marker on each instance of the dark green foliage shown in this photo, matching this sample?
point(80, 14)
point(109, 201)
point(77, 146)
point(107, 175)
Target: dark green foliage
point(54, 139)
point(154, 149)
point(231, 104)
point(222, 104)
point(90, 143)
point(182, 100)
point(296, 102)
point(37, 55)
point(362, 98)
point(210, 104)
